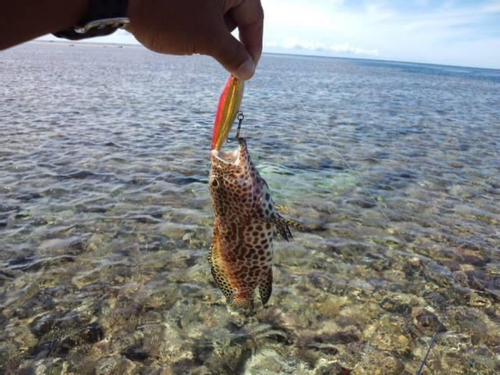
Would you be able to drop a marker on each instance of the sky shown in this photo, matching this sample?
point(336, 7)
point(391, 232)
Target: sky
point(450, 32)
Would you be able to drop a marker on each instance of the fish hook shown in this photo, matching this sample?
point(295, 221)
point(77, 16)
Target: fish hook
point(240, 118)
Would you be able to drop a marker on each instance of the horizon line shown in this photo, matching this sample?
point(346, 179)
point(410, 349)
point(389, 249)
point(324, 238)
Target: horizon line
point(382, 60)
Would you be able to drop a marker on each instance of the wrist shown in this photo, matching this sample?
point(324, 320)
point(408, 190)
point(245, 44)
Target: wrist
point(21, 21)
point(100, 18)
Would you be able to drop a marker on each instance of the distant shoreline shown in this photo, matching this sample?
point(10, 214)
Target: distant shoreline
point(128, 45)
point(84, 44)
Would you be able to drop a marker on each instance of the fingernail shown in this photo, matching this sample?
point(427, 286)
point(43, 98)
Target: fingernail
point(246, 70)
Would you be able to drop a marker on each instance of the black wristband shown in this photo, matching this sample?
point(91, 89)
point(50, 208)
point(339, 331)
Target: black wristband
point(98, 10)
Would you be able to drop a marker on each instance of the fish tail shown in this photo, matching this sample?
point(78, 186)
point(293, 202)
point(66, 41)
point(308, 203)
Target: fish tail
point(242, 302)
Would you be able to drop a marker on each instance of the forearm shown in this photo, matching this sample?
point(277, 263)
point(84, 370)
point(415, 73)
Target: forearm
point(23, 20)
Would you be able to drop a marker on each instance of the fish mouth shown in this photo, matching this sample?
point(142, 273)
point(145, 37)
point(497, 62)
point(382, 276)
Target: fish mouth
point(226, 157)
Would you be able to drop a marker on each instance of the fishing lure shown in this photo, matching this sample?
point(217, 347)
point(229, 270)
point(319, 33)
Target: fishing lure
point(229, 106)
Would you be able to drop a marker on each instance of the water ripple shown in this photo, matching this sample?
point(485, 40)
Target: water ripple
point(105, 216)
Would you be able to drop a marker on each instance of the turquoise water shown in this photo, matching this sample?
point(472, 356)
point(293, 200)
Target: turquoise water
point(105, 215)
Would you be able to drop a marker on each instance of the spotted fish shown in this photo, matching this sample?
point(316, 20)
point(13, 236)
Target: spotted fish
point(245, 221)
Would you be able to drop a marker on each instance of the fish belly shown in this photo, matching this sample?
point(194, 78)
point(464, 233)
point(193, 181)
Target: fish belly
point(241, 261)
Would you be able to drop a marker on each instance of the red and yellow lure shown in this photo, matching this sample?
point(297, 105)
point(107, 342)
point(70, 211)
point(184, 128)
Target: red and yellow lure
point(229, 105)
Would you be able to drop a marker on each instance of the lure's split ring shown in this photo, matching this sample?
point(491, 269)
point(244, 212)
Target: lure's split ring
point(241, 117)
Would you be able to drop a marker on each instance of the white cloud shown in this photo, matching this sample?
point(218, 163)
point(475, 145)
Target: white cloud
point(311, 45)
point(493, 7)
point(336, 3)
point(445, 32)
point(347, 48)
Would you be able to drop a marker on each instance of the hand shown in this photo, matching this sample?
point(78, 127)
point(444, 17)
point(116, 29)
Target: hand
point(186, 27)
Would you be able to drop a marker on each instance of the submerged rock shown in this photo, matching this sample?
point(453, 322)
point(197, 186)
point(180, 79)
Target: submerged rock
point(427, 322)
point(390, 333)
point(379, 363)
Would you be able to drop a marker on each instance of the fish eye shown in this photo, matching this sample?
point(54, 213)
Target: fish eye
point(215, 183)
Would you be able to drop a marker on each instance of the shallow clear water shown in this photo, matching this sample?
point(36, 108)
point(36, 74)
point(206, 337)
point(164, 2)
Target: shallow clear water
point(105, 216)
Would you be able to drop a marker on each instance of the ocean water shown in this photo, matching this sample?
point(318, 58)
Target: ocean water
point(106, 219)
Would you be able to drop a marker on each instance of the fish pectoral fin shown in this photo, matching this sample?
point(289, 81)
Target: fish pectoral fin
point(294, 224)
point(282, 209)
point(286, 210)
point(283, 226)
point(266, 287)
point(284, 231)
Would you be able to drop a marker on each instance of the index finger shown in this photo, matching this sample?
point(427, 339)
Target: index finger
point(249, 18)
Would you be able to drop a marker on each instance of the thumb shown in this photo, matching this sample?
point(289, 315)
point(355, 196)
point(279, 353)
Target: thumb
point(233, 55)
